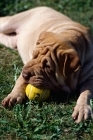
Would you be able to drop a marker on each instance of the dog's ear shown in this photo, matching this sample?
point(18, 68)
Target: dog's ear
point(71, 63)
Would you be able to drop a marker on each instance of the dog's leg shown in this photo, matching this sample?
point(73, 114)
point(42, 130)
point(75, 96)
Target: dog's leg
point(83, 110)
point(17, 95)
point(8, 35)
point(8, 40)
point(10, 26)
point(7, 25)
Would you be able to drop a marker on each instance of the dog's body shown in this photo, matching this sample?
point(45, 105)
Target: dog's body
point(57, 53)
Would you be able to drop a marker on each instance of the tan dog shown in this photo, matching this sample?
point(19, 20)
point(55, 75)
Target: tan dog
point(57, 53)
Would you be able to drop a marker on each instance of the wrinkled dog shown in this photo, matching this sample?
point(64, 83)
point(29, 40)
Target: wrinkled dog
point(57, 54)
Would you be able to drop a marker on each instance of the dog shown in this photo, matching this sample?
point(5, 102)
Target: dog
point(57, 53)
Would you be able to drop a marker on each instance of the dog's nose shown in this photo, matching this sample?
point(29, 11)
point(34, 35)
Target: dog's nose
point(26, 75)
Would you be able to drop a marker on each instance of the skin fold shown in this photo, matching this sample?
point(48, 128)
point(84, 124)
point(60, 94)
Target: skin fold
point(57, 54)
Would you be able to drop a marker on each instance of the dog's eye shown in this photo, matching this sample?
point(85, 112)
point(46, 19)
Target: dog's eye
point(46, 64)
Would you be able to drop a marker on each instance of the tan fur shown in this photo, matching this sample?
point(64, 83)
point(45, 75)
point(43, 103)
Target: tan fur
point(57, 53)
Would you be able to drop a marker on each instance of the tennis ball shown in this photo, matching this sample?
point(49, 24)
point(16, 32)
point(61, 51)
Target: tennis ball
point(34, 93)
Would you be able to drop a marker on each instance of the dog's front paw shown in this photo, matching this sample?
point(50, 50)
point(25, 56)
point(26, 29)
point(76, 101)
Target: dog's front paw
point(82, 112)
point(12, 99)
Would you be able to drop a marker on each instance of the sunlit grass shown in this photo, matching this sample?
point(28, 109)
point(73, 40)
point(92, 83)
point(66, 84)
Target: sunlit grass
point(33, 120)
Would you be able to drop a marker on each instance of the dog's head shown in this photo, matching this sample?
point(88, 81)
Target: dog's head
point(54, 59)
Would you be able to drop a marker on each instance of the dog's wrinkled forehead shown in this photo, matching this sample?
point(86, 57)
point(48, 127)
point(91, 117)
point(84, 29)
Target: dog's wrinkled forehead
point(45, 43)
point(47, 37)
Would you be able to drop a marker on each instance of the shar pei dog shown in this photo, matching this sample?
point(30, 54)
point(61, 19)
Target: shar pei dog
point(57, 54)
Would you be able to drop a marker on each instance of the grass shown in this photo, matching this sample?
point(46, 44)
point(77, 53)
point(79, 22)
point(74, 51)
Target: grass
point(32, 120)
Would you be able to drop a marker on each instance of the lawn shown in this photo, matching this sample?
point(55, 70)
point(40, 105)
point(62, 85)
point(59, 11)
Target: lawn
point(32, 120)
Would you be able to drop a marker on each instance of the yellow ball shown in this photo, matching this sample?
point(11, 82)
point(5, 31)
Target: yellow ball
point(34, 93)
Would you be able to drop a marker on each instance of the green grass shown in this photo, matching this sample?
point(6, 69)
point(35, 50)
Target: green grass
point(32, 120)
